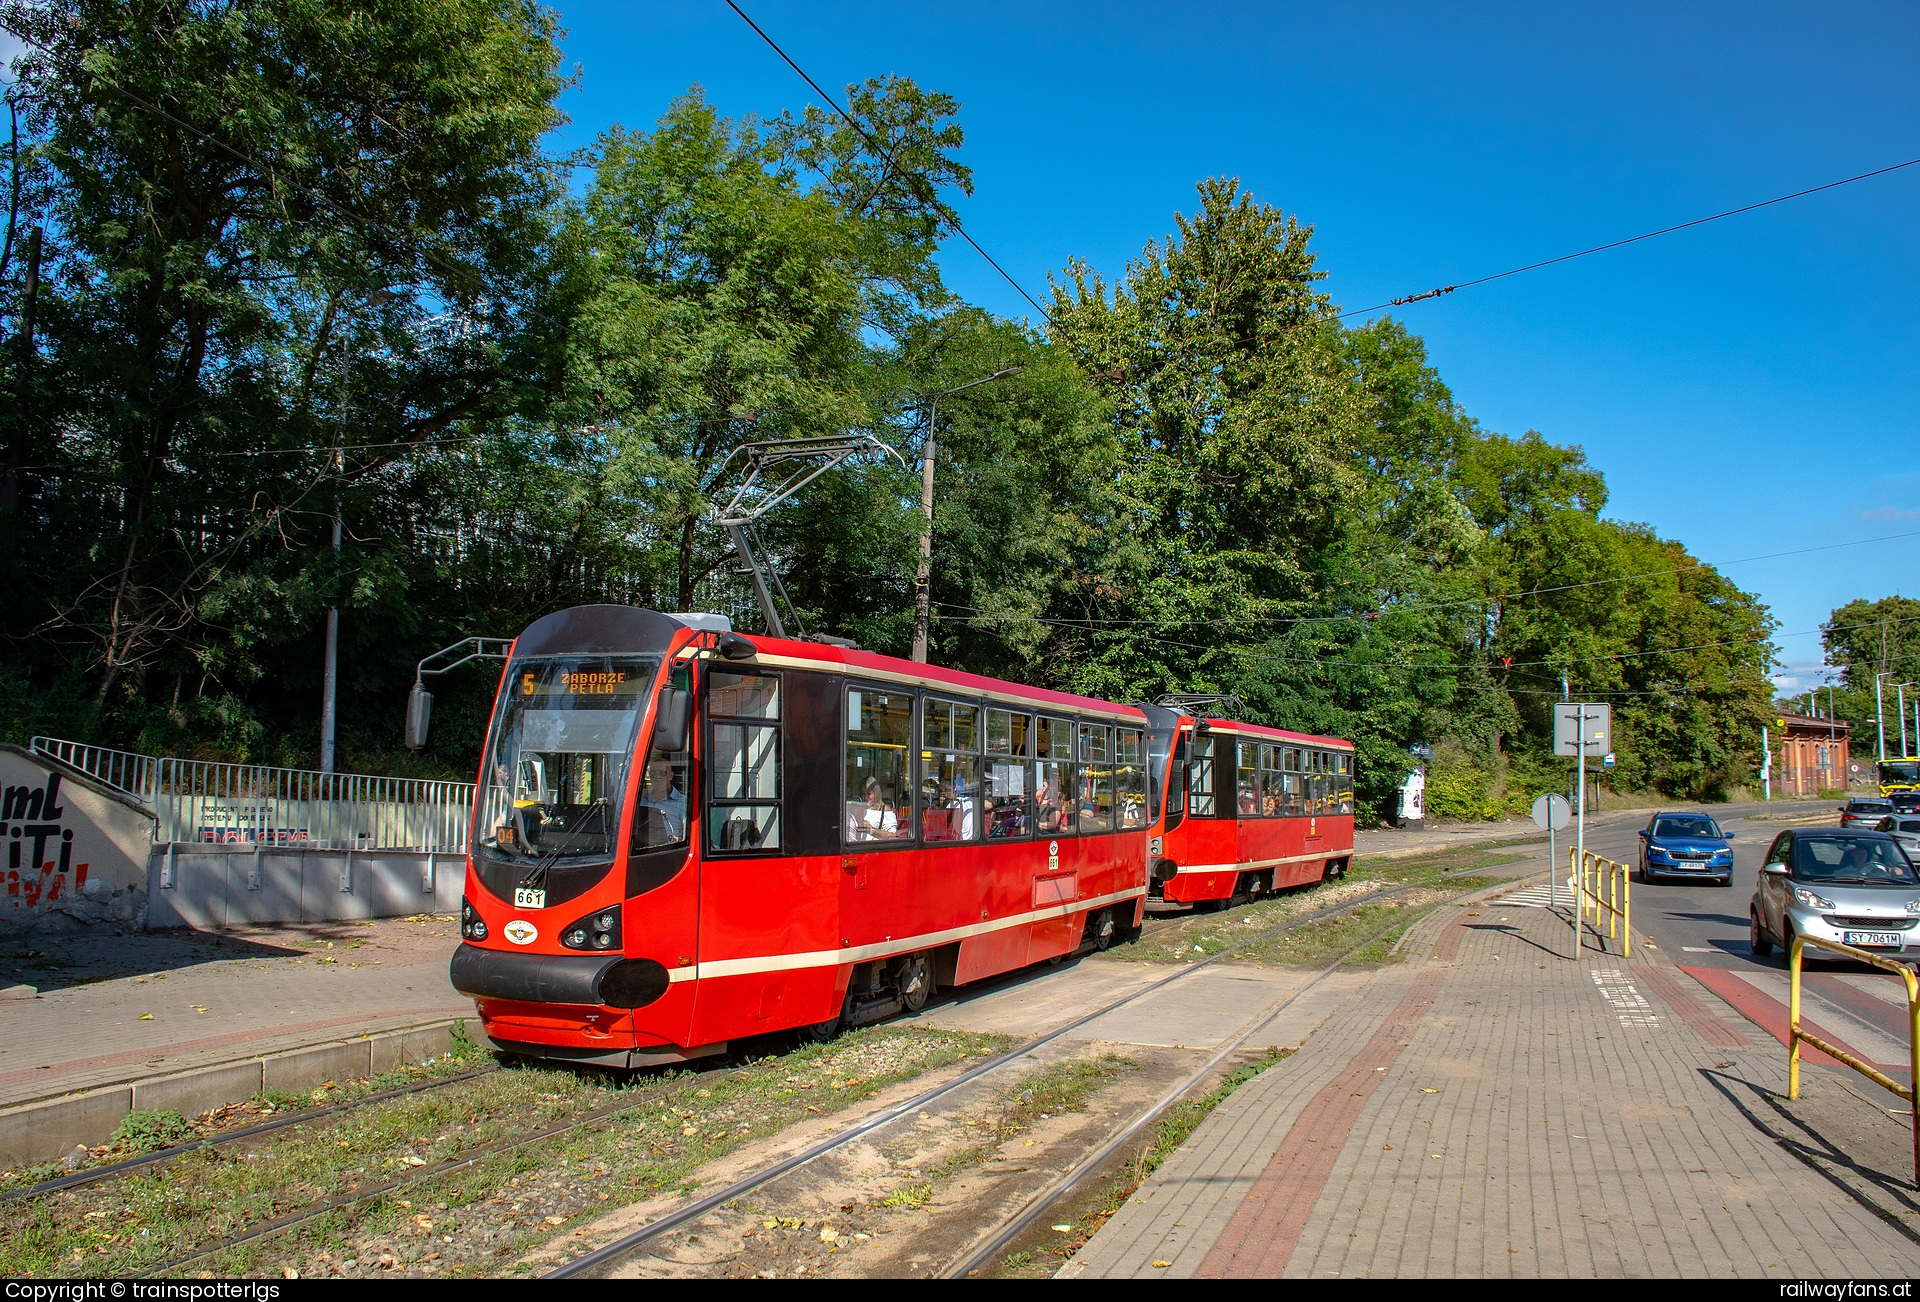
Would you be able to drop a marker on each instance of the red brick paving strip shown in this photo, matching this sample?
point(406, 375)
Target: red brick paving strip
point(1717, 1033)
point(1770, 1015)
point(1261, 1236)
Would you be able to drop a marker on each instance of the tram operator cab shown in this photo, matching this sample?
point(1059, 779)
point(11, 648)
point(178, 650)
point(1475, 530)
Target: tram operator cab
point(1246, 810)
point(683, 835)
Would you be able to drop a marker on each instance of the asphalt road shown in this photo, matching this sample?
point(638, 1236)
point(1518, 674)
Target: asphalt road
point(1703, 926)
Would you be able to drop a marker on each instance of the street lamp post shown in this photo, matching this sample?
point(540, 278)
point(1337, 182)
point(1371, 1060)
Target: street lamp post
point(1880, 713)
point(923, 577)
point(1901, 690)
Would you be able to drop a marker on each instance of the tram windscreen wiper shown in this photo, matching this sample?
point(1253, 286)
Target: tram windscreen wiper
point(537, 875)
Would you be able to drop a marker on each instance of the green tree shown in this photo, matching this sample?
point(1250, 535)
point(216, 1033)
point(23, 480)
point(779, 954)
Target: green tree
point(285, 244)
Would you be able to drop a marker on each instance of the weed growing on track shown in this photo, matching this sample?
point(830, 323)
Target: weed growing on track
point(476, 1219)
point(1093, 1208)
point(1202, 935)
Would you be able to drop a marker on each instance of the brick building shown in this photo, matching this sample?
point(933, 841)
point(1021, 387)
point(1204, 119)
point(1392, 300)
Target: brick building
point(1809, 755)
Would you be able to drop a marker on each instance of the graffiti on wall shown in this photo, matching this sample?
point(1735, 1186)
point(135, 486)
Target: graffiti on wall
point(40, 864)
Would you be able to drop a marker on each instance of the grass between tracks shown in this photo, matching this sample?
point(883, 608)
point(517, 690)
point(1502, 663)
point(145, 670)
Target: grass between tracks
point(479, 1218)
point(1238, 931)
point(147, 1132)
point(1071, 1226)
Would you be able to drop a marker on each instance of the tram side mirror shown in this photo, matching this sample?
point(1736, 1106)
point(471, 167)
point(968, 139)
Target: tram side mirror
point(670, 720)
point(419, 714)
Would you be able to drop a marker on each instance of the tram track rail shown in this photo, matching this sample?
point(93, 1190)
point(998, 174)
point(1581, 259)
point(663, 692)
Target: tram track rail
point(645, 1097)
point(174, 1152)
point(612, 1254)
point(1009, 1230)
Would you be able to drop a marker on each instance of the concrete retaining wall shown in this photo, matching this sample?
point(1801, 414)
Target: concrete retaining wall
point(50, 1129)
point(215, 886)
point(74, 849)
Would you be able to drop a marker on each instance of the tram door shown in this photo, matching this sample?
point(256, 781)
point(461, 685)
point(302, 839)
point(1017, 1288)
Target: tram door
point(663, 879)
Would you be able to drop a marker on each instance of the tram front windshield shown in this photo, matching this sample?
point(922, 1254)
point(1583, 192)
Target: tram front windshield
point(561, 746)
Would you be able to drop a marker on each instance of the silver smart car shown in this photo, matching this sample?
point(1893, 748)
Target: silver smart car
point(1849, 885)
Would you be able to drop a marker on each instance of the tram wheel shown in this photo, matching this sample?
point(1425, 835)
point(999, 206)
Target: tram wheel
point(1104, 930)
point(915, 982)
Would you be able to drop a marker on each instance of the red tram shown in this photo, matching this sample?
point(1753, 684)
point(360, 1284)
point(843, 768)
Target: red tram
point(1248, 809)
point(684, 835)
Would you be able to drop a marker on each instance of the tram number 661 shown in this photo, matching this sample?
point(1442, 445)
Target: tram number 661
point(527, 897)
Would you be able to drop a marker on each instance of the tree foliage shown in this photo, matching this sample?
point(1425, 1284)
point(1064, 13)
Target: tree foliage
point(302, 261)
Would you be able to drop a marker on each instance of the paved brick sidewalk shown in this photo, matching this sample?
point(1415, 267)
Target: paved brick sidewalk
point(1489, 1109)
point(204, 1002)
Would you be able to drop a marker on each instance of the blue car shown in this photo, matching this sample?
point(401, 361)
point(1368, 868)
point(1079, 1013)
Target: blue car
point(1686, 845)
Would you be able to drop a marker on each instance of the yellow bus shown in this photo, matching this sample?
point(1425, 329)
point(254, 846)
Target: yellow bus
point(1899, 775)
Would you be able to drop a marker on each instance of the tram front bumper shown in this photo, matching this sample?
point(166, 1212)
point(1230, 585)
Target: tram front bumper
point(597, 980)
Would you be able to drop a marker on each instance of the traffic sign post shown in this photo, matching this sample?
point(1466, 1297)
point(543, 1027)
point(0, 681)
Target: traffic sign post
point(1581, 729)
point(1550, 814)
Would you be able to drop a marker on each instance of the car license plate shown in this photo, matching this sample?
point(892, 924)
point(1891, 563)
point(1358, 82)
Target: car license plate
point(527, 898)
point(1873, 939)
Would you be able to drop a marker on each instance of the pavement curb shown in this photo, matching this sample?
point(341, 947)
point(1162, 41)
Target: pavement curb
point(50, 1128)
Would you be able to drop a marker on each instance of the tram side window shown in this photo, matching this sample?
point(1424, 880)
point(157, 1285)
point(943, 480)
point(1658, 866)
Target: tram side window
point(1246, 780)
point(1096, 778)
point(1200, 790)
point(1295, 801)
point(879, 790)
point(660, 813)
point(1344, 762)
point(949, 772)
point(1272, 789)
point(1054, 806)
point(1009, 784)
point(743, 786)
point(1130, 777)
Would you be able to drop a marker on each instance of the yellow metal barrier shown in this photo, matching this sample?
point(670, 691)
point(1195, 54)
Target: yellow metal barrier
point(1795, 1035)
point(1603, 886)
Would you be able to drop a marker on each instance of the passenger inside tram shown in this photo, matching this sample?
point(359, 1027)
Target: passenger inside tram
point(872, 818)
point(1046, 800)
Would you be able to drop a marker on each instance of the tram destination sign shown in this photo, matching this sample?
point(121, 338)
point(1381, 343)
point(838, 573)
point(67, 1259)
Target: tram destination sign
point(1576, 723)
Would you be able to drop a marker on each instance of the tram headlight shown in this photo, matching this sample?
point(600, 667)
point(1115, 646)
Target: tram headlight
point(598, 930)
point(478, 931)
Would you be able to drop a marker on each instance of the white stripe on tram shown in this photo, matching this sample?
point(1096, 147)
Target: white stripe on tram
point(1257, 863)
point(726, 967)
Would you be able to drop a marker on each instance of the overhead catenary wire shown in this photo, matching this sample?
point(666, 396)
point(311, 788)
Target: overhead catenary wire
point(1632, 239)
point(953, 220)
point(1490, 598)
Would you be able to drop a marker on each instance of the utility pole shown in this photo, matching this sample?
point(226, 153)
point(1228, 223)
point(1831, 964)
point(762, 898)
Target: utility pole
point(1880, 713)
point(329, 678)
point(923, 576)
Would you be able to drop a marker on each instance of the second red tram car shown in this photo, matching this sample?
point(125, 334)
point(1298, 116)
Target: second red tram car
point(684, 835)
point(1248, 809)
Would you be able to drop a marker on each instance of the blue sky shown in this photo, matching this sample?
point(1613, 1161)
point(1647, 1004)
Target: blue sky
point(1748, 387)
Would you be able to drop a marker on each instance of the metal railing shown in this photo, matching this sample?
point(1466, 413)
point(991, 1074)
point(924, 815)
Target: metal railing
point(1602, 886)
point(1795, 1035)
point(209, 803)
point(123, 770)
point(197, 802)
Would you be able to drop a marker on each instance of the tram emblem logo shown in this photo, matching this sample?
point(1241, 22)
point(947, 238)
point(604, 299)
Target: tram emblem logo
point(521, 932)
point(1053, 855)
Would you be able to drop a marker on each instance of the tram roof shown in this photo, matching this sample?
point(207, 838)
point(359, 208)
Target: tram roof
point(781, 653)
point(1234, 728)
